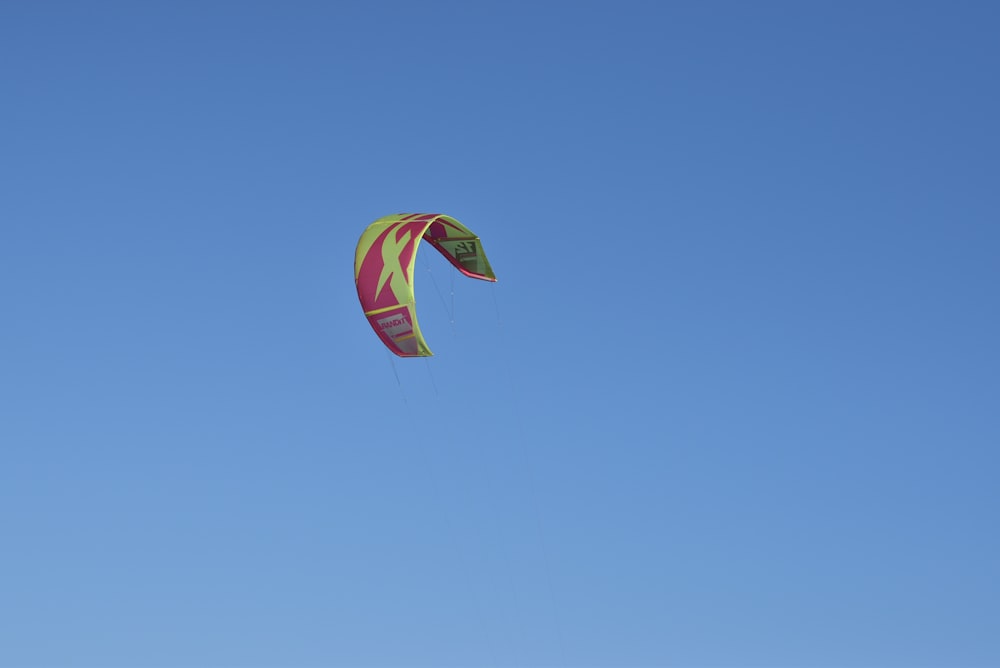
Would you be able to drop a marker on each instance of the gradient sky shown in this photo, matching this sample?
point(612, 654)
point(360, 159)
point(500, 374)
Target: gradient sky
point(734, 401)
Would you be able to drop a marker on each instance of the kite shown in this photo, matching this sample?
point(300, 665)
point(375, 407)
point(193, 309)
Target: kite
point(383, 272)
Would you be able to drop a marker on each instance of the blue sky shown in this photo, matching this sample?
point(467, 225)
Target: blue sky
point(733, 401)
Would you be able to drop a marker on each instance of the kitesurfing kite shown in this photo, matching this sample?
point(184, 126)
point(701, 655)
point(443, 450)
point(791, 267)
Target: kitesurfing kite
point(383, 272)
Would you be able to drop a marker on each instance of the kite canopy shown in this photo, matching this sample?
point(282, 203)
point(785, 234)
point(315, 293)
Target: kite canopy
point(383, 272)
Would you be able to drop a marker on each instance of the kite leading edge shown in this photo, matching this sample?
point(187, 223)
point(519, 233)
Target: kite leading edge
point(383, 272)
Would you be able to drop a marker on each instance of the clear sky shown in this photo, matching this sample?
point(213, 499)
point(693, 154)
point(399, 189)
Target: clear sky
point(734, 401)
